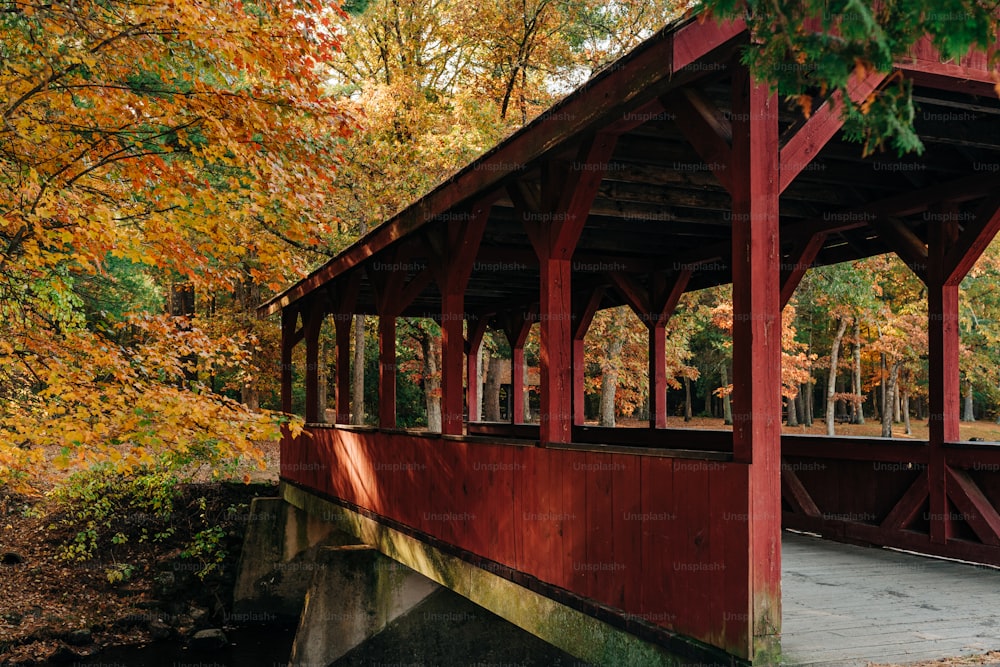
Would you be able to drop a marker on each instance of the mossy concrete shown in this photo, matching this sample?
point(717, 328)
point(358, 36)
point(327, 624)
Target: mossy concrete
point(578, 634)
point(355, 593)
point(278, 560)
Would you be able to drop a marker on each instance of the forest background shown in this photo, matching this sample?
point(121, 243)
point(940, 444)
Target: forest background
point(165, 168)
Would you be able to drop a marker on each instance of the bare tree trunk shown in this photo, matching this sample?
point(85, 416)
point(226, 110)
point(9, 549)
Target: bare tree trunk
point(842, 405)
point(859, 411)
point(358, 368)
point(968, 415)
point(491, 392)
point(687, 399)
point(831, 382)
point(808, 401)
point(793, 418)
point(250, 397)
point(609, 380)
point(431, 346)
point(727, 406)
point(890, 393)
point(883, 381)
point(708, 403)
point(906, 412)
point(897, 400)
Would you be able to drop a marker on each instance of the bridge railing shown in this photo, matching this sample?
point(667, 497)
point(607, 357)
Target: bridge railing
point(877, 491)
point(652, 539)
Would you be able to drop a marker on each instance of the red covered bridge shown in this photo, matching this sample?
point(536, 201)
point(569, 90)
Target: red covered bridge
point(669, 171)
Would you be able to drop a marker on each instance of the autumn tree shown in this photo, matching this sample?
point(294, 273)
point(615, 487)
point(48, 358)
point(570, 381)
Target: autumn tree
point(834, 41)
point(138, 144)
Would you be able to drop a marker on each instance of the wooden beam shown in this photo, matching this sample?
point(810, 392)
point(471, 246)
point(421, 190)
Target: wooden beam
point(800, 260)
point(795, 493)
point(706, 129)
point(567, 193)
point(575, 192)
point(476, 330)
point(697, 39)
point(413, 288)
point(809, 139)
point(462, 235)
point(976, 508)
point(652, 110)
point(387, 278)
point(942, 370)
point(668, 304)
point(658, 374)
point(972, 74)
point(452, 349)
point(907, 245)
point(583, 315)
point(634, 294)
point(516, 326)
point(387, 371)
point(973, 241)
point(905, 511)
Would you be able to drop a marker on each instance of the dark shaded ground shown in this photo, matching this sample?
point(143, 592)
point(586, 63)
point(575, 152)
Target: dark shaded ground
point(52, 609)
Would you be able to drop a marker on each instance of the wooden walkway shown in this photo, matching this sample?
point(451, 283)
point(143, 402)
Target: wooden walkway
point(847, 605)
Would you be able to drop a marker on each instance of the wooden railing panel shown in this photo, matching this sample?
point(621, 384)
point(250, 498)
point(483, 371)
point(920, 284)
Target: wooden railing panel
point(654, 539)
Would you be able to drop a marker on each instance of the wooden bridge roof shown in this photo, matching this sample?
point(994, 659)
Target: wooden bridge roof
point(662, 205)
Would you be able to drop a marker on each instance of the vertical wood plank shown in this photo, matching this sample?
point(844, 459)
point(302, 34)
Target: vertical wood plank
point(387, 370)
point(452, 350)
point(694, 567)
point(730, 539)
point(658, 597)
point(608, 571)
point(576, 530)
point(627, 528)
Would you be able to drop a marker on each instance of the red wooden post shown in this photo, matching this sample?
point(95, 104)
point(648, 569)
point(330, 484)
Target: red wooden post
point(664, 298)
point(942, 366)
point(391, 296)
point(579, 377)
point(658, 375)
point(455, 258)
point(343, 323)
point(583, 316)
point(387, 370)
point(452, 348)
point(289, 317)
point(757, 337)
point(472, 392)
point(556, 355)
point(517, 385)
point(477, 329)
point(313, 322)
point(517, 329)
point(567, 194)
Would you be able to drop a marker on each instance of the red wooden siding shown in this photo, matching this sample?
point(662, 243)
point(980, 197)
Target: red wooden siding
point(659, 539)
